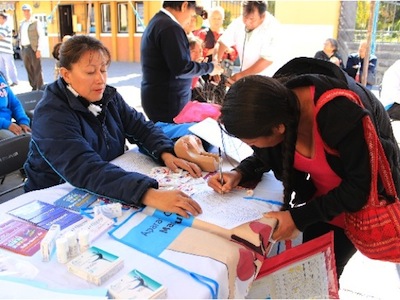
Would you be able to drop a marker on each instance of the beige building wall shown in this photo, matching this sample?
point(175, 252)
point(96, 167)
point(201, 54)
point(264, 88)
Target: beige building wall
point(309, 13)
point(306, 24)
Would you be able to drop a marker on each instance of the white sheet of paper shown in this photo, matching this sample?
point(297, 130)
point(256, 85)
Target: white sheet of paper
point(233, 207)
point(209, 130)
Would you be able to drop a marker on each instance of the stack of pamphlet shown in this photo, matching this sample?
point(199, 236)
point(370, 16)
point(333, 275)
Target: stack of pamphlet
point(136, 285)
point(95, 265)
point(44, 214)
point(21, 237)
point(76, 200)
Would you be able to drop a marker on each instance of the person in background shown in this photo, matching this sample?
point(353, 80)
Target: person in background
point(31, 35)
point(191, 27)
point(81, 124)
point(335, 61)
point(277, 118)
point(355, 63)
point(255, 36)
point(196, 54)
point(210, 35)
point(390, 90)
point(167, 69)
point(15, 42)
point(198, 83)
point(11, 108)
point(330, 52)
point(7, 65)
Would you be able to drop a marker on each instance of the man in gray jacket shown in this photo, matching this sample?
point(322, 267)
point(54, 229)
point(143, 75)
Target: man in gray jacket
point(30, 32)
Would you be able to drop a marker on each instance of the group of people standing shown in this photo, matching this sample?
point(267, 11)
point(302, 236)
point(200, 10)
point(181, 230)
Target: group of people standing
point(168, 69)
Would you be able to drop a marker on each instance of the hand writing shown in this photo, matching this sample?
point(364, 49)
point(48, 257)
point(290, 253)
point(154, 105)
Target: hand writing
point(230, 181)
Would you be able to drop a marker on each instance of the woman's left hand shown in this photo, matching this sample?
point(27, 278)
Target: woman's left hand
point(175, 163)
point(285, 228)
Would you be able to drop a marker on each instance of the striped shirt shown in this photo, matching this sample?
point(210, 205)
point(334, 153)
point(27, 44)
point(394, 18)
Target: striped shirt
point(6, 40)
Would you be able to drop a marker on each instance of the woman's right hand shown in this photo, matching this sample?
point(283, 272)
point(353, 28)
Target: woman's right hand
point(229, 181)
point(173, 201)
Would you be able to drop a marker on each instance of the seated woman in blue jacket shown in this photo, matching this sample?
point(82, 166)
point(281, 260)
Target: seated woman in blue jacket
point(11, 108)
point(81, 125)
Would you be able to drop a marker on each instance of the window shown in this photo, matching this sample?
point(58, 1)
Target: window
point(91, 17)
point(139, 7)
point(105, 18)
point(122, 17)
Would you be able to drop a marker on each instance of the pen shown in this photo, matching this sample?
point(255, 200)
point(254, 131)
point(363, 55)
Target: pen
point(221, 180)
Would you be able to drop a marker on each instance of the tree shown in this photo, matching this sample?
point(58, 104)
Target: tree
point(363, 14)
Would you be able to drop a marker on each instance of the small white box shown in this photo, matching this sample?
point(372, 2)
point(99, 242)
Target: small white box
point(95, 265)
point(136, 285)
point(48, 243)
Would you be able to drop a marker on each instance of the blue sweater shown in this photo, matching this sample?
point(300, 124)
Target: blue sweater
point(70, 144)
point(167, 69)
point(10, 107)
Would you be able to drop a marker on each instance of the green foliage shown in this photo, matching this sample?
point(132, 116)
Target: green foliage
point(227, 20)
point(388, 18)
point(363, 14)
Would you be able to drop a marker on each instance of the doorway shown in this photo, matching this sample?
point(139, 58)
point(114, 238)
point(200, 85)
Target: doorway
point(66, 26)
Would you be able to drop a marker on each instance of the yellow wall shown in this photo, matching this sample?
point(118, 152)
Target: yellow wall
point(287, 12)
point(150, 9)
point(309, 12)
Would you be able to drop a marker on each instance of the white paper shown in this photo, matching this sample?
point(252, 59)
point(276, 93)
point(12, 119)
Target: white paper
point(209, 130)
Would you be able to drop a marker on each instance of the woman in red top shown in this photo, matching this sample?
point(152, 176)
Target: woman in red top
point(277, 117)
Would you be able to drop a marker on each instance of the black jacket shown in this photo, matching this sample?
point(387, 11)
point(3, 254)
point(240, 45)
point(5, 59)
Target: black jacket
point(341, 128)
point(167, 69)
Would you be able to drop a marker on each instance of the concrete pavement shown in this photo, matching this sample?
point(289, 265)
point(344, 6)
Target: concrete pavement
point(125, 76)
point(362, 278)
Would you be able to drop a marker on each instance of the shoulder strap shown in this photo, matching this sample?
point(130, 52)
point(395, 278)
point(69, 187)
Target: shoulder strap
point(378, 160)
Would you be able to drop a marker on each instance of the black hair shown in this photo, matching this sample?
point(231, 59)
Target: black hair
point(252, 6)
point(253, 107)
point(73, 49)
point(177, 5)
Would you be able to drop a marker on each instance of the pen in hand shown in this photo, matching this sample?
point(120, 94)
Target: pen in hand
point(221, 179)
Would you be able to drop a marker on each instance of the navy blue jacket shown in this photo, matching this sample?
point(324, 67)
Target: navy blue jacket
point(70, 144)
point(167, 69)
point(355, 63)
